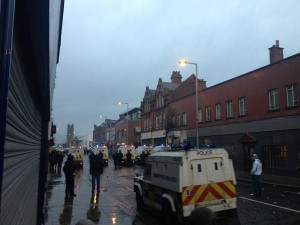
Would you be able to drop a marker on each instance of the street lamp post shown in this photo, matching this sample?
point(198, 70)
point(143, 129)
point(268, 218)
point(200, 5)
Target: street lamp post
point(184, 62)
point(127, 104)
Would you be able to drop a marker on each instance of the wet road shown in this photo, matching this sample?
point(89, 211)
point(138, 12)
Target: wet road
point(116, 202)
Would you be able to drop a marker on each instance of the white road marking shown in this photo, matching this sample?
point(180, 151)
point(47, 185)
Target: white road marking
point(291, 192)
point(293, 210)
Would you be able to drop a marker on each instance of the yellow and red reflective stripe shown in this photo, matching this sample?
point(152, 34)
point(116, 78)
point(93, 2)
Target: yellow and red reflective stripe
point(229, 188)
point(206, 192)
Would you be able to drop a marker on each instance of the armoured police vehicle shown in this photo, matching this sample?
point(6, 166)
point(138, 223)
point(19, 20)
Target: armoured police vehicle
point(104, 151)
point(177, 182)
point(78, 154)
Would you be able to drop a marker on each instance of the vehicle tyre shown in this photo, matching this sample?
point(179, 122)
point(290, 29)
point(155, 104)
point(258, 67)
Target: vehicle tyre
point(169, 217)
point(139, 200)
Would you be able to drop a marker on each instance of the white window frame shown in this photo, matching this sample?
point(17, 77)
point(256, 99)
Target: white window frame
point(218, 111)
point(200, 115)
point(229, 106)
point(208, 113)
point(273, 99)
point(291, 95)
point(184, 119)
point(242, 106)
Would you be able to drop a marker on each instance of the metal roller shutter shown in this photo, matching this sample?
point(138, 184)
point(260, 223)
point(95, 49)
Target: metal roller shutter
point(22, 150)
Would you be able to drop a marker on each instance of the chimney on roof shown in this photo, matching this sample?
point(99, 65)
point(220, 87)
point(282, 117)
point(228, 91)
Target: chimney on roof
point(176, 77)
point(276, 53)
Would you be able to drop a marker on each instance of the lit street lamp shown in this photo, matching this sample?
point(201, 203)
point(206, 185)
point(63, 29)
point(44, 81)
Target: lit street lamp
point(182, 63)
point(127, 104)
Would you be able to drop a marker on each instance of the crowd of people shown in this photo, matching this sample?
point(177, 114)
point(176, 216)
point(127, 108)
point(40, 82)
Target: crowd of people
point(55, 160)
point(96, 167)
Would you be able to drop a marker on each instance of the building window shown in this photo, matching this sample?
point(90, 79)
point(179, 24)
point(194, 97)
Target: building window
point(274, 157)
point(199, 115)
point(149, 124)
point(291, 95)
point(145, 125)
point(184, 120)
point(229, 113)
point(178, 120)
point(218, 111)
point(160, 121)
point(208, 113)
point(242, 106)
point(273, 99)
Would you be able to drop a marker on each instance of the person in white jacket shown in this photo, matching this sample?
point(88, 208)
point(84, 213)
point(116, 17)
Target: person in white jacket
point(256, 173)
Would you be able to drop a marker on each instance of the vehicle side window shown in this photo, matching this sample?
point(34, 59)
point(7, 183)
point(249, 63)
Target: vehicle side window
point(147, 172)
point(199, 168)
point(216, 166)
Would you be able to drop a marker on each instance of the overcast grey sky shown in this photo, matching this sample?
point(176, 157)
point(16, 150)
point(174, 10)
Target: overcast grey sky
point(112, 49)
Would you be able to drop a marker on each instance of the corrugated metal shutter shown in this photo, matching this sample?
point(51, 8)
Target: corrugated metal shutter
point(21, 151)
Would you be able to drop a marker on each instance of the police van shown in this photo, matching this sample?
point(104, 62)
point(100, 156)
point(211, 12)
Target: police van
point(78, 154)
point(178, 182)
point(104, 151)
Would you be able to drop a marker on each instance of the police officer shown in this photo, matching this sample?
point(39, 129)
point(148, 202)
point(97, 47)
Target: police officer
point(69, 173)
point(256, 173)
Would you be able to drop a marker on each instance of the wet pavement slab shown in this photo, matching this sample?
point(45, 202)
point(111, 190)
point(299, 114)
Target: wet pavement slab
point(113, 205)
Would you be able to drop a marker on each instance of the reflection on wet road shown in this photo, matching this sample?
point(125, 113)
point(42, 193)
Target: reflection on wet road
point(113, 205)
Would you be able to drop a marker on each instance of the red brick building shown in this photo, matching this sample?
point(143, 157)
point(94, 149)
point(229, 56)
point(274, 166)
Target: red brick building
point(254, 112)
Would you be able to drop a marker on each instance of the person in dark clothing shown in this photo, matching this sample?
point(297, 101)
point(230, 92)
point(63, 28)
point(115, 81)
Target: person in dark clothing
point(69, 173)
point(147, 153)
point(60, 157)
point(52, 160)
point(143, 158)
point(120, 157)
point(96, 169)
point(91, 156)
point(128, 158)
point(115, 158)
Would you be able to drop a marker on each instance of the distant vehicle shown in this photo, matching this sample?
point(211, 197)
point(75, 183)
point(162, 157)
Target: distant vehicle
point(159, 148)
point(78, 154)
point(104, 151)
point(138, 152)
point(124, 150)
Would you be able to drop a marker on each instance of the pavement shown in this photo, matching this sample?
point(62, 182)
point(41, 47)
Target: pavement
point(103, 208)
point(284, 181)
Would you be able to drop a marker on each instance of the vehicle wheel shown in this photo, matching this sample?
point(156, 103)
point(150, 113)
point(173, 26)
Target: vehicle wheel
point(169, 217)
point(139, 200)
